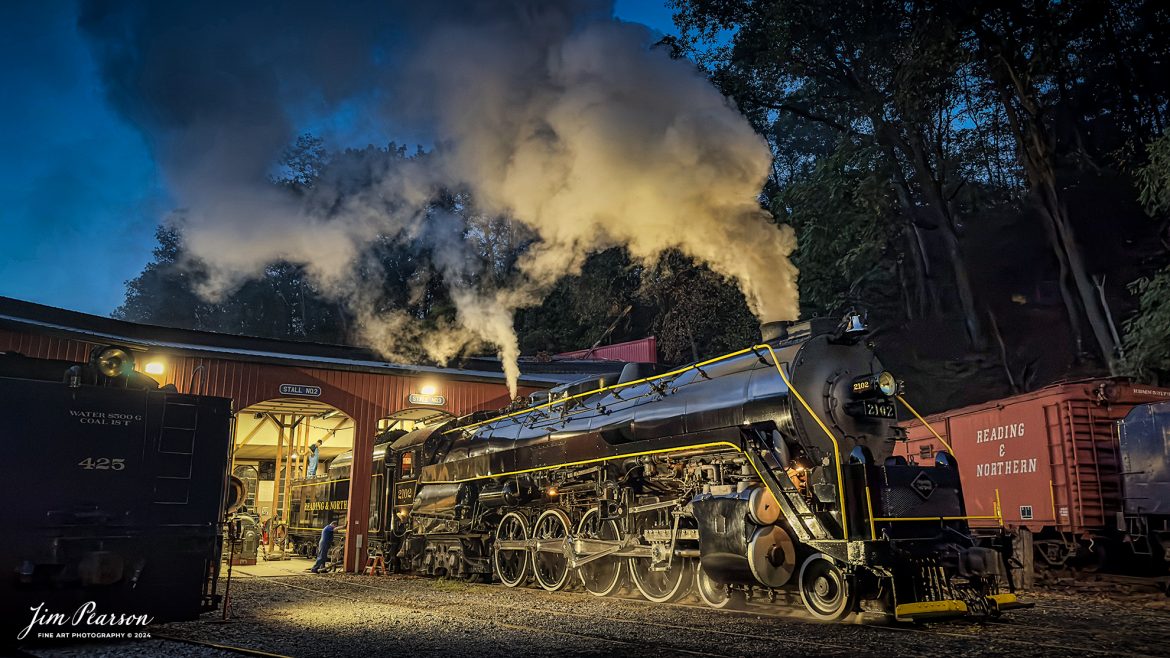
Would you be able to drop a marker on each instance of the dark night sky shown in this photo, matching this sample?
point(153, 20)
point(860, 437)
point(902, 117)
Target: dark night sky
point(80, 194)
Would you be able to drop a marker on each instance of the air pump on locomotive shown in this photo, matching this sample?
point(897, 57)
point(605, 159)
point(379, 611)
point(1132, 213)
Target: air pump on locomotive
point(762, 473)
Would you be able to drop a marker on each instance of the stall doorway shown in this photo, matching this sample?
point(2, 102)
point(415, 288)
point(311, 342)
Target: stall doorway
point(275, 436)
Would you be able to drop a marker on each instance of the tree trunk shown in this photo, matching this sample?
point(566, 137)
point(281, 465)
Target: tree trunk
point(1003, 357)
point(907, 305)
point(966, 295)
point(1084, 285)
point(921, 277)
point(1034, 145)
point(927, 293)
point(1071, 307)
point(931, 183)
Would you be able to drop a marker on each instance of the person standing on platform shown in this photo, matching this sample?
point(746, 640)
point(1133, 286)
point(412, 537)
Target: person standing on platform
point(323, 548)
point(314, 456)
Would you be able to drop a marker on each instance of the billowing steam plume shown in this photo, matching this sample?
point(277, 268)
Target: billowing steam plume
point(551, 113)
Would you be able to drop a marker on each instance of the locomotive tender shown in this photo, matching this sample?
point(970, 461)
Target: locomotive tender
point(765, 472)
point(121, 490)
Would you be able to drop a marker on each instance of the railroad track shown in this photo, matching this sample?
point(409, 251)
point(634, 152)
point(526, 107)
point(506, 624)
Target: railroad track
point(222, 647)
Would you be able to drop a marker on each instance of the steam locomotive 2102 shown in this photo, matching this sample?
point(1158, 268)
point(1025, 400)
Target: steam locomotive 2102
point(763, 473)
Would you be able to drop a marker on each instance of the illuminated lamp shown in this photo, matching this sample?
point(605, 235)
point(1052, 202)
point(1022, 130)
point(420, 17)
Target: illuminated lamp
point(154, 368)
point(112, 361)
point(429, 389)
point(878, 384)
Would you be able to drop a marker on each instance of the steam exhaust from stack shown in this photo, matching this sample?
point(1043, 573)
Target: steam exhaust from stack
point(549, 113)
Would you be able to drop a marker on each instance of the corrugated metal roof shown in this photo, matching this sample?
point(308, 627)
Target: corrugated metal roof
point(634, 351)
point(40, 319)
point(355, 392)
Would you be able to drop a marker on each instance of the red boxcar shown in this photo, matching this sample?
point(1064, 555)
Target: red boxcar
point(1050, 458)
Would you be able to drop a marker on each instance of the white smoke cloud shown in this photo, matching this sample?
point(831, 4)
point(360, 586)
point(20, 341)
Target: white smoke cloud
point(550, 113)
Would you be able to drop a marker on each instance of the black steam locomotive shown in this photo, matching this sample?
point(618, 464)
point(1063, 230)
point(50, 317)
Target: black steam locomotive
point(763, 473)
point(117, 498)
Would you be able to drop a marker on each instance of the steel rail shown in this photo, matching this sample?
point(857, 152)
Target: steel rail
point(223, 647)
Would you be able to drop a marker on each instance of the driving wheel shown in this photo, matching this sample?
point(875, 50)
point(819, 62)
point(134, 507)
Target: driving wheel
point(827, 592)
point(510, 549)
point(550, 564)
point(603, 576)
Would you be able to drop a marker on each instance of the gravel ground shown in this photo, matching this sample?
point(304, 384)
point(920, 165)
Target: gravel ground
point(152, 647)
point(349, 615)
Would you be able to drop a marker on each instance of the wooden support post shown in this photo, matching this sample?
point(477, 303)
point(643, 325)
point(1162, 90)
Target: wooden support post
point(288, 467)
point(308, 442)
point(297, 451)
point(358, 516)
point(1027, 557)
point(281, 473)
point(277, 507)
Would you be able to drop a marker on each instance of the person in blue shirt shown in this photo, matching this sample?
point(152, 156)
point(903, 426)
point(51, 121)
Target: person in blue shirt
point(323, 548)
point(314, 456)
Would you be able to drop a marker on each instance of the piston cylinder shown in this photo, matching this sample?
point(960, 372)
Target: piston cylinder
point(733, 548)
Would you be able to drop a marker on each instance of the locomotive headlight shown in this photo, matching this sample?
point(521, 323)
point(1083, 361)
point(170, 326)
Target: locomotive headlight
point(871, 396)
point(873, 385)
point(113, 361)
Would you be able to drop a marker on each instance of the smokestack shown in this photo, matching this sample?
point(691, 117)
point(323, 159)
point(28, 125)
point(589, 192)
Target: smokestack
point(771, 331)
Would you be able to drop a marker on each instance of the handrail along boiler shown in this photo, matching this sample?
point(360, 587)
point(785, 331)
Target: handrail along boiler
point(765, 472)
